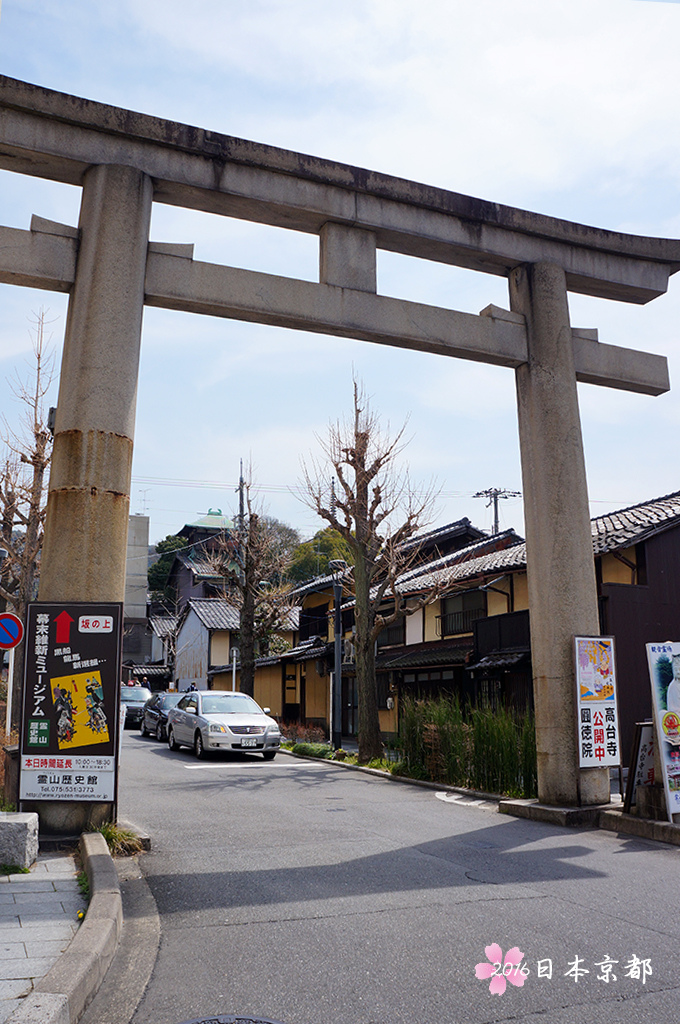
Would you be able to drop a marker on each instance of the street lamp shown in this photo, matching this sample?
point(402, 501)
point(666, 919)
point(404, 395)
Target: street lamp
point(337, 567)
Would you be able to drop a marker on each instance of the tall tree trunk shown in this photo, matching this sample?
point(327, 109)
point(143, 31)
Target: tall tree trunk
point(30, 555)
point(370, 739)
point(247, 642)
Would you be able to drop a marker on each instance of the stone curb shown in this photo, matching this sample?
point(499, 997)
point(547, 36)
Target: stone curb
point(607, 817)
point(441, 787)
point(62, 995)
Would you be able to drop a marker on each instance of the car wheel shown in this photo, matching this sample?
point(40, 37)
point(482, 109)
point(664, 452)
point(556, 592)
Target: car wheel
point(160, 736)
point(199, 749)
point(269, 755)
point(171, 740)
point(142, 728)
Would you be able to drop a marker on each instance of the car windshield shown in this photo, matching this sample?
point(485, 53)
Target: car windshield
point(169, 700)
point(230, 704)
point(133, 694)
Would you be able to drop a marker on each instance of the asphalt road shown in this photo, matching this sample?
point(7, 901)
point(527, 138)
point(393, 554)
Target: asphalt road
point(310, 894)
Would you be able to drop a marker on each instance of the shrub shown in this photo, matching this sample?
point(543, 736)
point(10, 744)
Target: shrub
point(312, 749)
point(297, 732)
point(122, 842)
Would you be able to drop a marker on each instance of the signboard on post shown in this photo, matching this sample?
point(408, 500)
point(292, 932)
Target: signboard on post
point(69, 725)
point(664, 674)
point(598, 723)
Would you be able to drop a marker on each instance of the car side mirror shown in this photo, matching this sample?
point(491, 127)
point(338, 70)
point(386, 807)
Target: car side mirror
point(267, 711)
point(191, 711)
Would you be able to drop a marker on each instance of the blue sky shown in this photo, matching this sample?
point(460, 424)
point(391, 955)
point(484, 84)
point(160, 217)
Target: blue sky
point(568, 108)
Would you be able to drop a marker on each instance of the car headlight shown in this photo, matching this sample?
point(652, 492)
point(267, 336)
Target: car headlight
point(217, 728)
point(273, 730)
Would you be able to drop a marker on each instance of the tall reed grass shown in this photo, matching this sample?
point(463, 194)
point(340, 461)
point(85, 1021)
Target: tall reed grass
point(484, 748)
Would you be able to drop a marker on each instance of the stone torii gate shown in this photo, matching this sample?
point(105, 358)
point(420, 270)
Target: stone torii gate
point(124, 161)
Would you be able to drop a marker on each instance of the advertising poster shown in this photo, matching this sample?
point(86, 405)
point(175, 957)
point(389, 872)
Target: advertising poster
point(71, 697)
point(598, 722)
point(664, 674)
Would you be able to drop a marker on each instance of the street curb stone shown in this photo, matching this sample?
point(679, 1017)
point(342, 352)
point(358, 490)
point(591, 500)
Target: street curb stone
point(606, 817)
point(62, 995)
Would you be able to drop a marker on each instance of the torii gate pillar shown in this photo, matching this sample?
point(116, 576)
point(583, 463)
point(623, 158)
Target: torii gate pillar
point(560, 565)
point(89, 495)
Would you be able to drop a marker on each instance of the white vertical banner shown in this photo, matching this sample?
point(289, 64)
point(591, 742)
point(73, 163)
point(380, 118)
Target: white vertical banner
point(598, 720)
point(664, 675)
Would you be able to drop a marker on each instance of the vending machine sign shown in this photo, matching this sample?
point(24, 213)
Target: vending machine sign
point(71, 699)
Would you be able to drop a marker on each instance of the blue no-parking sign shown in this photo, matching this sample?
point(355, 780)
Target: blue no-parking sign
point(11, 630)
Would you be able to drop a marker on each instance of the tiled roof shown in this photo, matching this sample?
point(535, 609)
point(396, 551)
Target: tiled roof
point(202, 569)
point(508, 559)
point(151, 671)
point(501, 659)
point(320, 583)
point(441, 534)
point(215, 612)
point(610, 532)
point(447, 652)
point(487, 545)
point(630, 525)
point(163, 625)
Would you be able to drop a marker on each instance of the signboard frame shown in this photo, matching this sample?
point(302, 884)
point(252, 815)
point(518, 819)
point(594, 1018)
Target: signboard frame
point(664, 677)
point(69, 738)
point(597, 719)
point(641, 770)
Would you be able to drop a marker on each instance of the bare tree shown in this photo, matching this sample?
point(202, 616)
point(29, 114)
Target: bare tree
point(253, 565)
point(371, 503)
point(26, 454)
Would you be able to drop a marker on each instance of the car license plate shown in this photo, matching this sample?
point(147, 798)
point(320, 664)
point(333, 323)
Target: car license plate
point(249, 741)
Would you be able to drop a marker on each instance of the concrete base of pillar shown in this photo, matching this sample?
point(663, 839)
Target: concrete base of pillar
point(570, 817)
point(68, 818)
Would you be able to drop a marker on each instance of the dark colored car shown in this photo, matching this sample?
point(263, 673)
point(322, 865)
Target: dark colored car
point(134, 698)
point(155, 718)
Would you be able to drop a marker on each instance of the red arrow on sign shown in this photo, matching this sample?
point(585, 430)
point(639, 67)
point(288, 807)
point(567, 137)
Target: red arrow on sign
point(63, 621)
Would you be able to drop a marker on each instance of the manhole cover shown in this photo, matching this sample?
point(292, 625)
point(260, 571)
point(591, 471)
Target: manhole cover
point(230, 1019)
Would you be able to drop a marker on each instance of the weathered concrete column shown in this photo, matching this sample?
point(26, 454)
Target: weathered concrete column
point(560, 564)
point(89, 494)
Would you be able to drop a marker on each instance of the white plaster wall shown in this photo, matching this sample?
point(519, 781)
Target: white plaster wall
point(192, 653)
point(414, 627)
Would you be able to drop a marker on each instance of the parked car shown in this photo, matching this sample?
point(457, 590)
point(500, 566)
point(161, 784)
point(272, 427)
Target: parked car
point(134, 698)
point(155, 716)
point(222, 720)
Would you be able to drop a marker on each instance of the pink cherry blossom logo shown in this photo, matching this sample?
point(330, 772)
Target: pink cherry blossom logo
point(501, 971)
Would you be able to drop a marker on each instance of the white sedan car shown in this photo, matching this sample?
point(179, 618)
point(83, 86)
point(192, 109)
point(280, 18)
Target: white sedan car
point(222, 720)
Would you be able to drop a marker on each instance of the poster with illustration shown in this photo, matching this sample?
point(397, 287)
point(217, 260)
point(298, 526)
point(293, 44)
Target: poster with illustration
point(598, 724)
point(80, 715)
point(664, 674)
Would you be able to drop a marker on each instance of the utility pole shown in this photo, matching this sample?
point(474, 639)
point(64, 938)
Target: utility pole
point(493, 494)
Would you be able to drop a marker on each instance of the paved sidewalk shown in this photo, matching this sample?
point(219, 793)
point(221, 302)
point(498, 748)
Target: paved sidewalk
point(38, 919)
